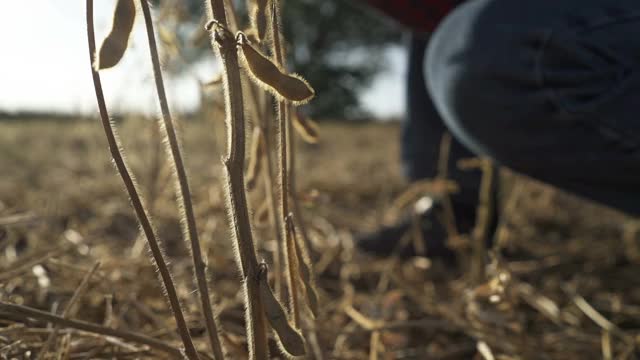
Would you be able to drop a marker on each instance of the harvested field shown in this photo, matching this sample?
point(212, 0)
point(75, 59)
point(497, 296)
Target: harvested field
point(568, 288)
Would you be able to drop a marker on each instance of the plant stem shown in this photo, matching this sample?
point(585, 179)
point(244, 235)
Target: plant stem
point(273, 213)
point(136, 201)
point(265, 122)
point(225, 45)
point(294, 198)
point(183, 193)
point(266, 126)
point(484, 217)
point(284, 145)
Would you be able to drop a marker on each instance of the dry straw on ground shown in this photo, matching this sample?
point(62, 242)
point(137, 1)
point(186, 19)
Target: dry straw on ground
point(567, 291)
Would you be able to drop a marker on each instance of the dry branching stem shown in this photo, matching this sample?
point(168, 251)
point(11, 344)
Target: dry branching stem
point(136, 201)
point(27, 312)
point(183, 192)
point(483, 221)
point(297, 213)
point(283, 145)
point(304, 265)
point(225, 45)
point(265, 123)
point(443, 173)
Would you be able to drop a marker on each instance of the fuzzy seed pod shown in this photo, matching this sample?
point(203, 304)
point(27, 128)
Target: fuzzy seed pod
point(307, 128)
point(115, 44)
point(290, 339)
point(288, 87)
point(255, 158)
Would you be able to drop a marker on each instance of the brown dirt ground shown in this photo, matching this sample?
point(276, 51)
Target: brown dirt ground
point(572, 291)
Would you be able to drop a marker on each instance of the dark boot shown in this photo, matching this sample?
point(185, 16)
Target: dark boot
point(423, 234)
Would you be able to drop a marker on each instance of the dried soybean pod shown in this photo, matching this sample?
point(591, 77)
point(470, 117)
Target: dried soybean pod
point(306, 127)
point(259, 17)
point(255, 157)
point(305, 271)
point(290, 340)
point(115, 44)
point(288, 87)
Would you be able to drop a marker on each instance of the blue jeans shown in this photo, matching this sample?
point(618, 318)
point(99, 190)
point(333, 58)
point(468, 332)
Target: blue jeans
point(423, 130)
point(550, 89)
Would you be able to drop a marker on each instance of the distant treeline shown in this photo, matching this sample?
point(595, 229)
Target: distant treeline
point(36, 115)
point(60, 116)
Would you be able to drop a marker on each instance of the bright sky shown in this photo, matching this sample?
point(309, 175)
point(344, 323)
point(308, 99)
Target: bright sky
point(44, 65)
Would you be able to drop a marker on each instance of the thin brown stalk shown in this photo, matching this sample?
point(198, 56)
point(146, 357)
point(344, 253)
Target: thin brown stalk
point(233, 16)
point(284, 147)
point(155, 169)
point(269, 176)
point(443, 173)
point(297, 213)
point(292, 272)
point(136, 201)
point(265, 124)
point(275, 220)
point(25, 313)
point(374, 342)
point(225, 46)
point(264, 121)
point(183, 192)
point(483, 221)
point(67, 312)
point(599, 319)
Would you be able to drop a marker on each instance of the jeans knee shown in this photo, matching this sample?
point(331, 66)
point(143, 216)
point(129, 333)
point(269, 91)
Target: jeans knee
point(450, 79)
point(481, 76)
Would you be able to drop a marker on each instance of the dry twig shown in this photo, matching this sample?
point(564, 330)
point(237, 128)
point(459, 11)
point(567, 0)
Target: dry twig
point(136, 201)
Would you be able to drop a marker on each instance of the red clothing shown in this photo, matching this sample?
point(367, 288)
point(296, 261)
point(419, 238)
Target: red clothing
point(419, 15)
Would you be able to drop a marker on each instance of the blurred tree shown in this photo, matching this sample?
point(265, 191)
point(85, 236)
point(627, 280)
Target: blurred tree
point(339, 46)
